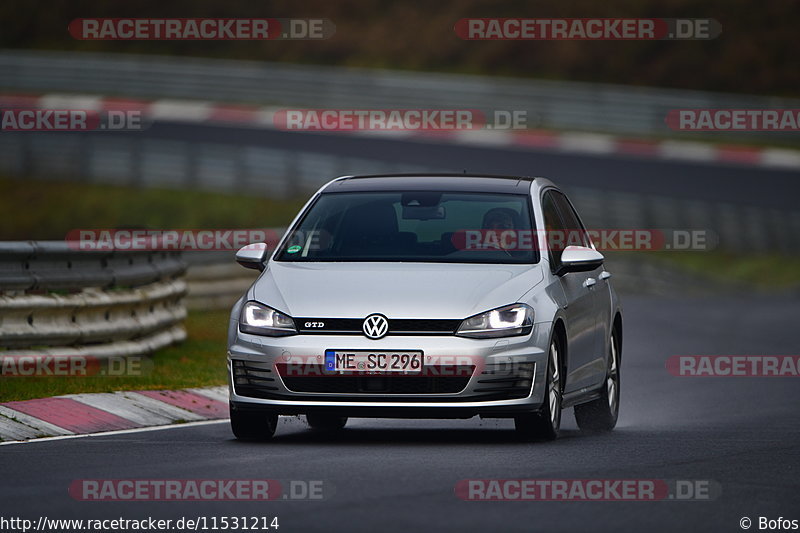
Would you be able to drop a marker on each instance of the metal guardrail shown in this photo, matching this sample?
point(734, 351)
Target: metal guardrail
point(55, 300)
point(146, 162)
point(47, 265)
point(217, 285)
point(215, 280)
point(280, 173)
point(550, 104)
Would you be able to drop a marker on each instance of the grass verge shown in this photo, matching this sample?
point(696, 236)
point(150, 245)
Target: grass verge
point(758, 271)
point(45, 210)
point(198, 362)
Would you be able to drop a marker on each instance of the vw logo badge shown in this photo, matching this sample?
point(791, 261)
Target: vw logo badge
point(375, 326)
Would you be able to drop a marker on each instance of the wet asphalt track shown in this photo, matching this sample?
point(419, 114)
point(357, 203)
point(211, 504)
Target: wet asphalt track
point(709, 181)
point(397, 475)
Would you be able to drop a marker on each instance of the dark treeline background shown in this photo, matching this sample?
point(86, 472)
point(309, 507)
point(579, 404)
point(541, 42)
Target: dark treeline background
point(756, 53)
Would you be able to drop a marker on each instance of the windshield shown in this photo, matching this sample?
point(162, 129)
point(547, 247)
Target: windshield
point(424, 226)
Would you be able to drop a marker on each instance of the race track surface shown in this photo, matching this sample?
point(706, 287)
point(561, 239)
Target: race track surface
point(399, 475)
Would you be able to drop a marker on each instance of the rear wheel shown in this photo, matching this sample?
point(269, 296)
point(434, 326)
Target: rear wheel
point(601, 414)
point(252, 425)
point(545, 424)
point(324, 422)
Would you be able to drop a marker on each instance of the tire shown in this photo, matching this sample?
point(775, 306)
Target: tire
point(324, 422)
point(253, 426)
point(545, 424)
point(601, 415)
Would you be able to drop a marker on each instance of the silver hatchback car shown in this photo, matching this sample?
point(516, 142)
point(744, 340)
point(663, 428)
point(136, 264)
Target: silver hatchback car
point(428, 296)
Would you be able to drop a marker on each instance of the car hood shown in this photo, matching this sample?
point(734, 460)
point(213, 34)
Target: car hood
point(397, 290)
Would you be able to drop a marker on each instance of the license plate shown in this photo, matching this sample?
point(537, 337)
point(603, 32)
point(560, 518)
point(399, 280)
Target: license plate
point(373, 362)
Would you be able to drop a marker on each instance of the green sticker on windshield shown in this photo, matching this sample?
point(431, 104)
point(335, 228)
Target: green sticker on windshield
point(294, 249)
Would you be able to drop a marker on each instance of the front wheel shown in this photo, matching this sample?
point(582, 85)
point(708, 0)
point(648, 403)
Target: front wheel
point(253, 426)
point(545, 424)
point(601, 414)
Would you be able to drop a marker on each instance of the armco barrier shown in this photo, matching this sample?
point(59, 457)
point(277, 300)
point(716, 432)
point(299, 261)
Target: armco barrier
point(277, 172)
point(550, 104)
point(56, 300)
point(215, 280)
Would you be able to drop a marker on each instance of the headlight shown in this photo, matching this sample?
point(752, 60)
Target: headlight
point(262, 320)
point(515, 319)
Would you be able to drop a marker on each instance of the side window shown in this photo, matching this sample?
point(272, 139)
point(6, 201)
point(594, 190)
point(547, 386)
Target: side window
point(553, 229)
point(576, 233)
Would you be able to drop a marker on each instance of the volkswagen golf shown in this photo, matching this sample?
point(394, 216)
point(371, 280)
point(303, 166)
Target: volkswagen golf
point(428, 296)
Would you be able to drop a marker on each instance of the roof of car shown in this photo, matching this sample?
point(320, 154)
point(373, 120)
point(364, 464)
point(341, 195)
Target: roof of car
point(432, 182)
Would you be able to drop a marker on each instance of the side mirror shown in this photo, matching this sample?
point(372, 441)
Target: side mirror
point(579, 259)
point(252, 256)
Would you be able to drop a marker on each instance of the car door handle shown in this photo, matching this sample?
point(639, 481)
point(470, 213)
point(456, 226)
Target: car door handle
point(604, 275)
point(589, 282)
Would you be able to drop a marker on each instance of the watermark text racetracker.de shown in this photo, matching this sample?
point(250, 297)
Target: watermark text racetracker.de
point(638, 239)
point(598, 490)
point(731, 366)
point(201, 29)
point(198, 490)
point(43, 120)
point(587, 29)
point(73, 366)
point(425, 120)
point(169, 240)
point(783, 120)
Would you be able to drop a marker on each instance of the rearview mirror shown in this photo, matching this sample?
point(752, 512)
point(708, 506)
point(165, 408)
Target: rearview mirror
point(579, 259)
point(252, 256)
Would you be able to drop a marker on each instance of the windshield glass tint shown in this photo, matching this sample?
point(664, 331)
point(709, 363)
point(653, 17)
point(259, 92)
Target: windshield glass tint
point(414, 226)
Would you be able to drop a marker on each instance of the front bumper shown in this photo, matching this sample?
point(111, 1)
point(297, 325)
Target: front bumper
point(462, 377)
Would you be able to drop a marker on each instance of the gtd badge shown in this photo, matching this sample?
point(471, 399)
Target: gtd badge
point(375, 326)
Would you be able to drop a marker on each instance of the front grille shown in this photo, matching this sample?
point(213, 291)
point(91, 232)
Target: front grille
point(496, 382)
point(397, 326)
point(316, 380)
